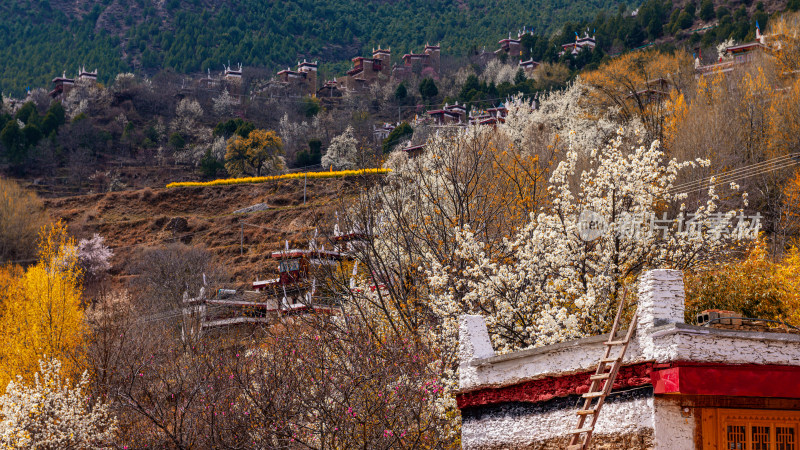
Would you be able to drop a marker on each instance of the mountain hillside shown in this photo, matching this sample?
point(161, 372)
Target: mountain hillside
point(41, 38)
point(133, 220)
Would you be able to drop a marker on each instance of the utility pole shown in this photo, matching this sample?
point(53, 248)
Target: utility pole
point(241, 238)
point(305, 181)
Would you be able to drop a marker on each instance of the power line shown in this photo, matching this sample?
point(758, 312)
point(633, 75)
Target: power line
point(748, 171)
point(736, 172)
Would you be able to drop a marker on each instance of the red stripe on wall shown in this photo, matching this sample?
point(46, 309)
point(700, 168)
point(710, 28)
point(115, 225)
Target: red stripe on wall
point(688, 378)
point(550, 387)
point(746, 380)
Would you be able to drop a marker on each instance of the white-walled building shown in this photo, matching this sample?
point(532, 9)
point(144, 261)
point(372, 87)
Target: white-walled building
point(680, 386)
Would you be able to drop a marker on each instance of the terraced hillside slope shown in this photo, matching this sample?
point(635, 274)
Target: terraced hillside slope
point(133, 220)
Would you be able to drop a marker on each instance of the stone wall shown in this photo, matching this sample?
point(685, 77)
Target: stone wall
point(627, 417)
point(674, 428)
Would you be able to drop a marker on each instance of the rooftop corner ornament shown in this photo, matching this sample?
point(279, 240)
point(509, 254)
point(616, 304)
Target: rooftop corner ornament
point(733, 224)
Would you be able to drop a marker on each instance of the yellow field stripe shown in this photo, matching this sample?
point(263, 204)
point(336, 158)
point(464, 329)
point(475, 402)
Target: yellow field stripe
point(286, 176)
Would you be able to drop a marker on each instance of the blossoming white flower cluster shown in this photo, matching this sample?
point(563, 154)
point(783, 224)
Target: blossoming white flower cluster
point(550, 285)
point(94, 256)
point(542, 283)
point(187, 115)
point(53, 414)
point(85, 97)
point(225, 103)
point(498, 72)
point(563, 114)
point(722, 55)
point(295, 134)
point(342, 153)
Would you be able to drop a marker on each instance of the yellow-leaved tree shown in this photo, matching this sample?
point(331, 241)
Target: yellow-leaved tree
point(21, 216)
point(784, 35)
point(784, 120)
point(261, 151)
point(773, 294)
point(40, 309)
point(636, 84)
point(755, 95)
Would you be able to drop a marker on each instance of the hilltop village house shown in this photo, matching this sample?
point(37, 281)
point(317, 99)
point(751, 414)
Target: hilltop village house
point(294, 292)
point(528, 66)
point(679, 387)
point(490, 116)
point(62, 84)
point(512, 47)
point(382, 132)
point(449, 115)
point(233, 74)
point(736, 55)
point(456, 116)
point(365, 71)
point(585, 42)
point(425, 64)
point(329, 93)
point(86, 76)
point(302, 81)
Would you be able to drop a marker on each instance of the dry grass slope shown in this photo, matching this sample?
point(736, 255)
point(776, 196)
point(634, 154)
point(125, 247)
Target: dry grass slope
point(204, 215)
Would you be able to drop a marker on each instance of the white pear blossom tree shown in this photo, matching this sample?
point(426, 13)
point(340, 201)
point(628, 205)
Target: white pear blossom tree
point(124, 81)
point(446, 239)
point(722, 54)
point(296, 135)
point(342, 153)
point(85, 98)
point(187, 114)
point(554, 280)
point(498, 72)
point(52, 413)
point(412, 216)
point(94, 257)
point(563, 116)
point(225, 104)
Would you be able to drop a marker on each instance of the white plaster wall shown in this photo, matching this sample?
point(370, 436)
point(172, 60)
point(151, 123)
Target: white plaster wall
point(662, 348)
point(664, 345)
point(660, 336)
point(473, 343)
point(660, 302)
point(615, 418)
point(672, 431)
point(560, 359)
point(723, 346)
point(661, 298)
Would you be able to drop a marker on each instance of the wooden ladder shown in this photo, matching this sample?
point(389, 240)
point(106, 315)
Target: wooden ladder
point(604, 376)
